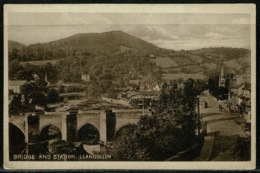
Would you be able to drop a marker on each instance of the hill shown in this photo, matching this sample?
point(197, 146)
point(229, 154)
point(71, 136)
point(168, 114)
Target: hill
point(15, 45)
point(126, 56)
point(94, 43)
point(204, 62)
point(107, 42)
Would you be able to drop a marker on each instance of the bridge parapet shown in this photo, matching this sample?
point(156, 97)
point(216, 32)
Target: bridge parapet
point(121, 123)
point(91, 117)
point(128, 116)
point(53, 119)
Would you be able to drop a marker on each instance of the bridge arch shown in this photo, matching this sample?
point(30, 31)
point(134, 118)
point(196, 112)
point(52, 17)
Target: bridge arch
point(127, 127)
point(50, 131)
point(18, 127)
point(17, 142)
point(88, 133)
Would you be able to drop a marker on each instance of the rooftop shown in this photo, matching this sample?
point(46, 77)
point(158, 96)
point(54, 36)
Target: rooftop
point(16, 82)
point(73, 94)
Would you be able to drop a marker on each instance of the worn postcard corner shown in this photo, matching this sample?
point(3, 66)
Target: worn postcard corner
point(107, 86)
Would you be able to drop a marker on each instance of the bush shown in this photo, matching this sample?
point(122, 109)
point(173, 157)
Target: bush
point(242, 148)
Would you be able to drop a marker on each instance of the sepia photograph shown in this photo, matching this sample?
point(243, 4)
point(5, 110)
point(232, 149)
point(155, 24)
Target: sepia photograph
point(129, 86)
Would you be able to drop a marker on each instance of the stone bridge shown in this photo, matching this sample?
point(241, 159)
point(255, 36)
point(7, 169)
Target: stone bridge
point(107, 123)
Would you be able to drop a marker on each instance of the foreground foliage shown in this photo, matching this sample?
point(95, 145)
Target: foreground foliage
point(169, 130)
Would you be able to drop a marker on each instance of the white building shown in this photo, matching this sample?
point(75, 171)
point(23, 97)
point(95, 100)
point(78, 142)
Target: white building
point(85, 77)
point(15, 85)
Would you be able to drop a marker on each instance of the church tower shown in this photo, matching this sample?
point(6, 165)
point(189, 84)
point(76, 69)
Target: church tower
point(222, 79)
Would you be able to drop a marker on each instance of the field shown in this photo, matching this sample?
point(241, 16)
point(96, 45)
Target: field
point(175, 76)
point(164, 62)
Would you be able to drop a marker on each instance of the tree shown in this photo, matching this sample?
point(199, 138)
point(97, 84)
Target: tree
point(53, 96)
point(112, 93)
point(94, 90)
point(200, 86)
point(13, 54)
point(15, 105)
point(51, 72)
point(36, 91)
point(169, 130)
point(105, 85)
point(242, 148)
point(14, 68)
point(159, 135)
point(29, 88)
point(127, 147)
point(39, 99)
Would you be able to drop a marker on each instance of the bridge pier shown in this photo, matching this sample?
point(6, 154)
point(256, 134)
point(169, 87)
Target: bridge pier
point(26, 134)
point(32, 133)
point(64, 127)
point(26, 130)
point(103, 128)
point(70, 127)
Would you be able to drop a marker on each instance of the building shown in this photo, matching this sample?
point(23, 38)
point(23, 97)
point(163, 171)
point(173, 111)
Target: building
point(237, 87)
point(14, 85)
point(245, 98)
point(240, 95)
point(148, 85)
point(85, 77)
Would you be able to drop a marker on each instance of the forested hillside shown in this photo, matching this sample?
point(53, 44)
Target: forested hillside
point(84, 44)
point(118, 57)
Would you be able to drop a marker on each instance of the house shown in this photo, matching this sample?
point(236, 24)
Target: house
point(14, 85)
point(245, 98)
point(85, 77)
point(237, 85)
point(240, 95)
point(148, 85)
point(236, 91)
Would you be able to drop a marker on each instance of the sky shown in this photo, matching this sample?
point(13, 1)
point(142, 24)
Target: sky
point(167, 30)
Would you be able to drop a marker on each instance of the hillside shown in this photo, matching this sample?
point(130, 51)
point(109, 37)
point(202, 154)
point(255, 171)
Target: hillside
point(107, 42)
point(15, 45)
point(204, 62)
point(128, 57)
point(94, 43)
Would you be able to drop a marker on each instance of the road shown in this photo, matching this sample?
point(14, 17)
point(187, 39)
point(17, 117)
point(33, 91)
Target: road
point(225, 128)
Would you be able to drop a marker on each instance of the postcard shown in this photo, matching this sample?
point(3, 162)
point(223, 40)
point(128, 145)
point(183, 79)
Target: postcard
point(130, 86)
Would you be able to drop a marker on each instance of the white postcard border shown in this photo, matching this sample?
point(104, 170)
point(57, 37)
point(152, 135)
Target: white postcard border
point(133, 8)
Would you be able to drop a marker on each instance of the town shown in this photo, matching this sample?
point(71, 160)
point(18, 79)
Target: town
point(92, 125)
